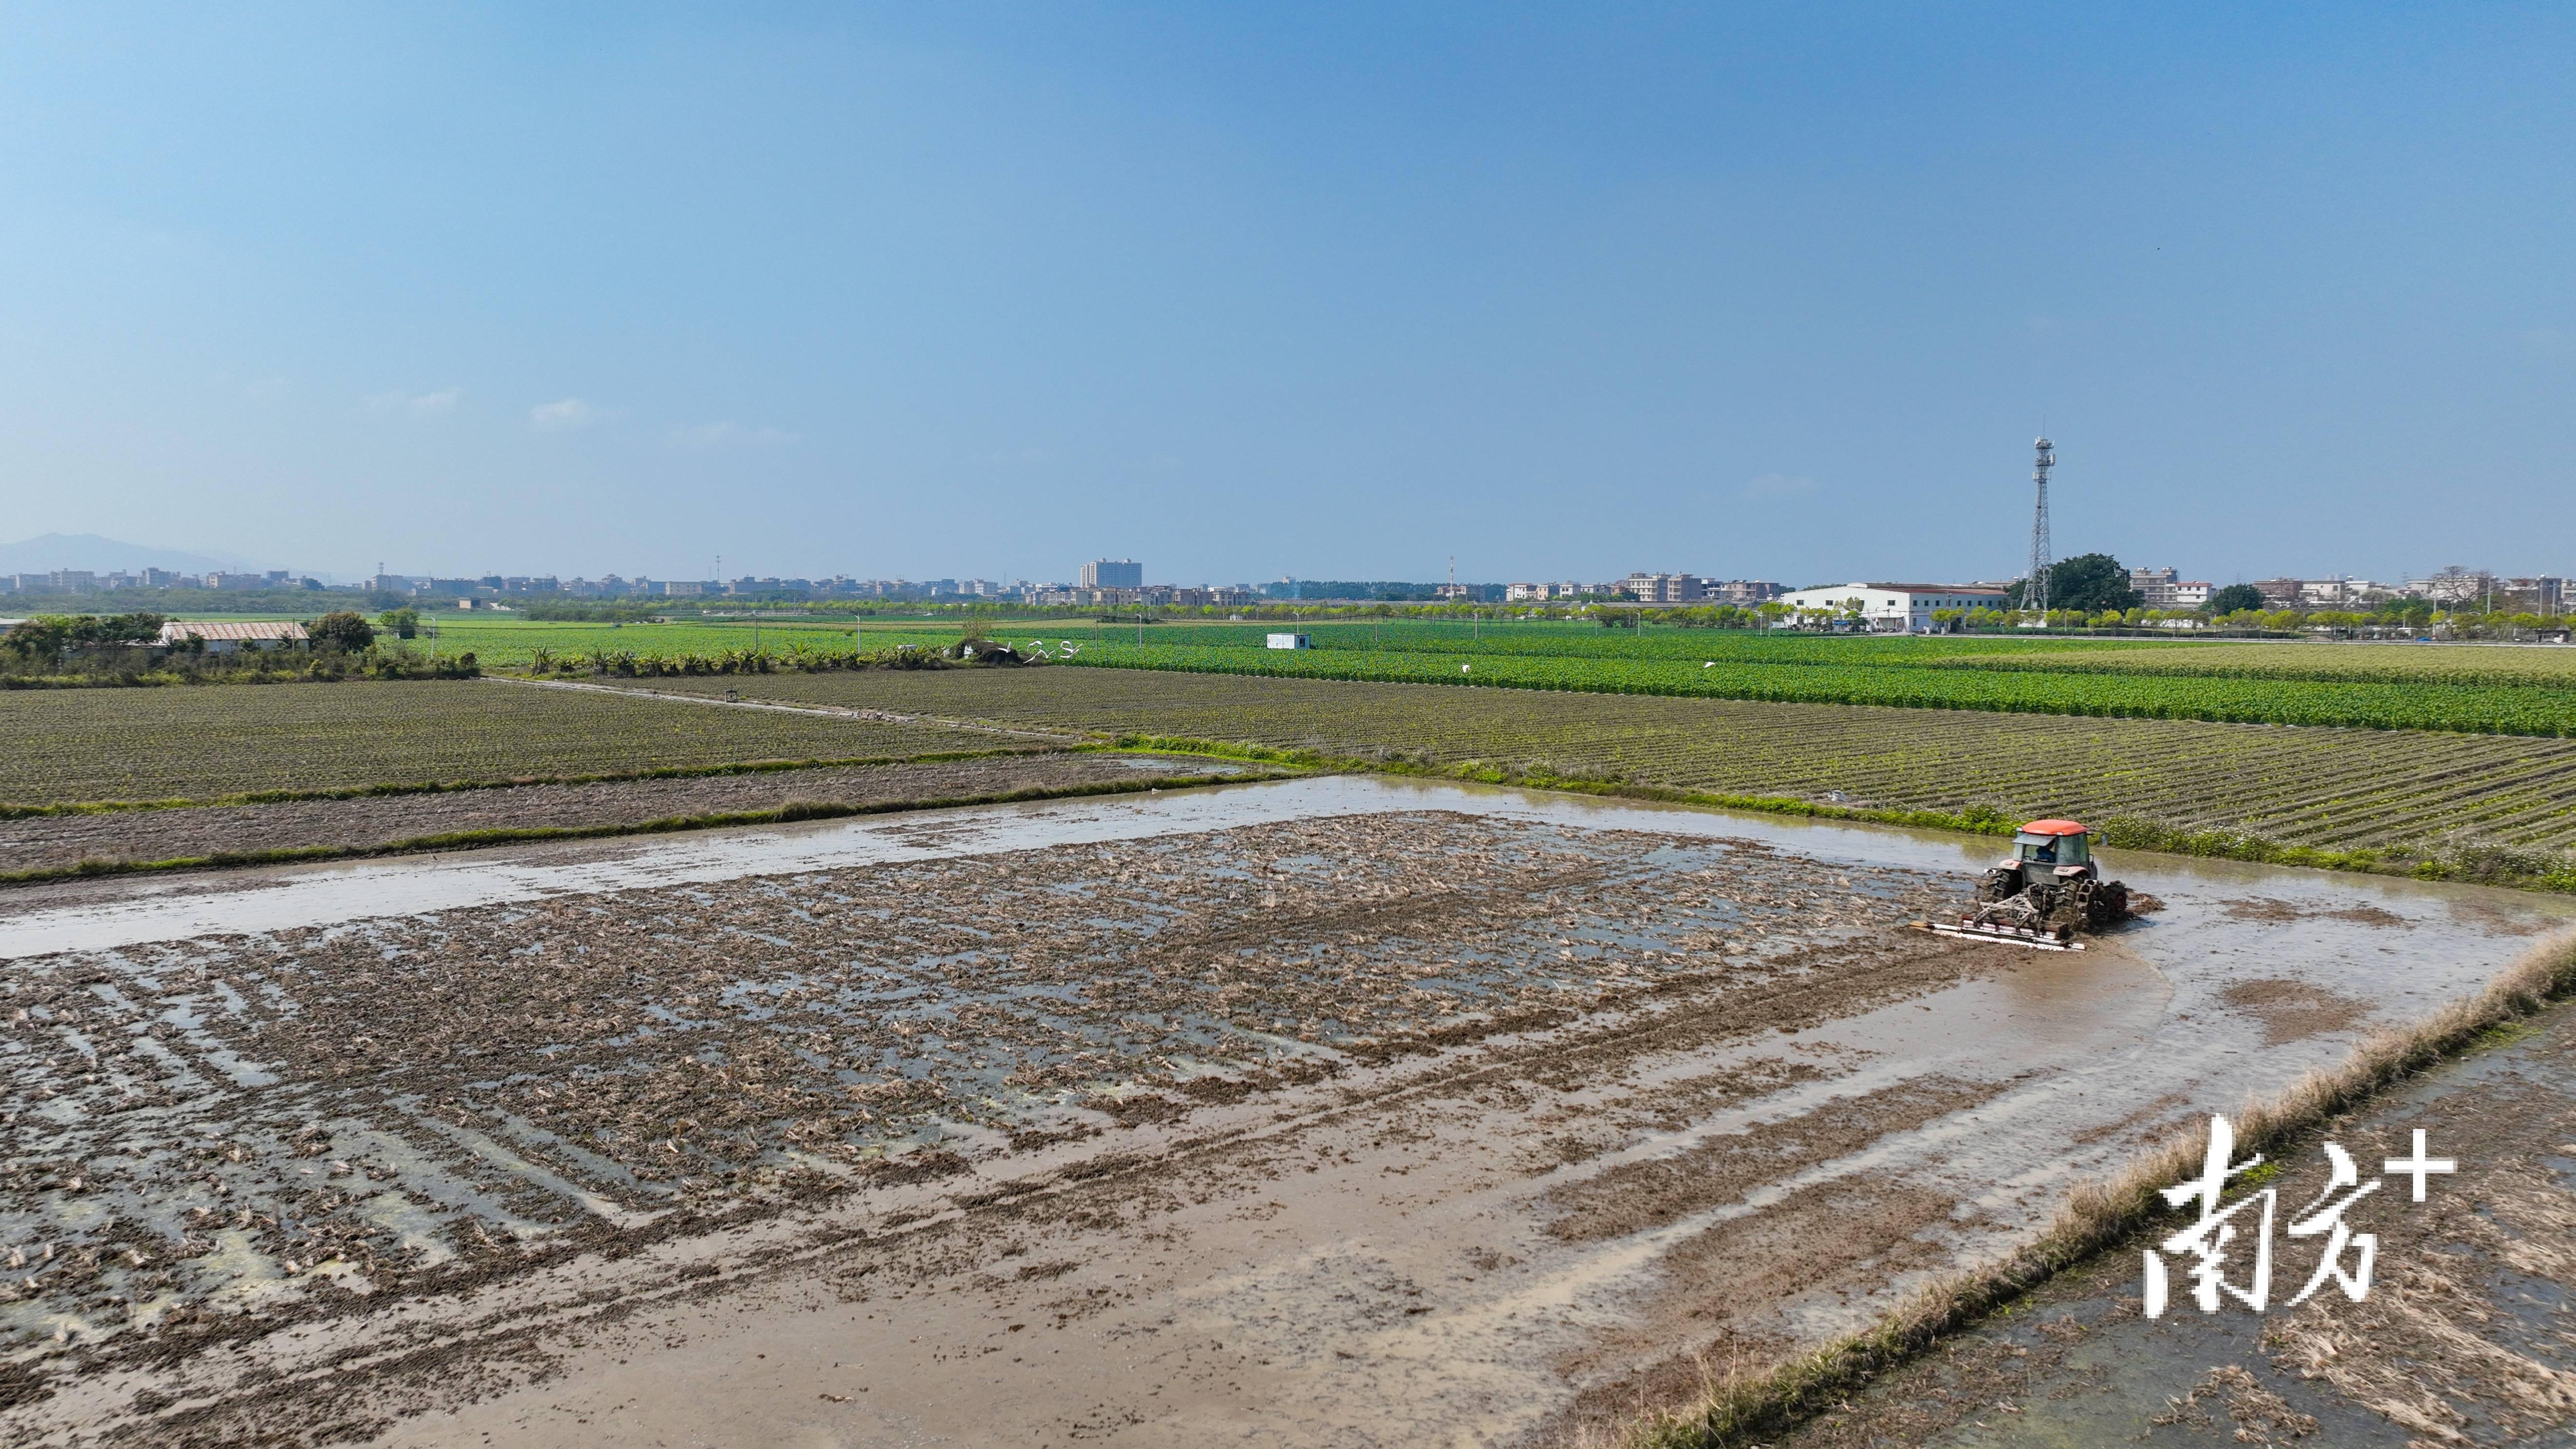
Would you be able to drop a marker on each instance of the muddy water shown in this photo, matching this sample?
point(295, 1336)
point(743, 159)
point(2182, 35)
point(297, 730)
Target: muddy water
point(1489, 1244)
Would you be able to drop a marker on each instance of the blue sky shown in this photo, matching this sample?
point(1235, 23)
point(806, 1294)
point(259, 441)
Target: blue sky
point(1244, 291)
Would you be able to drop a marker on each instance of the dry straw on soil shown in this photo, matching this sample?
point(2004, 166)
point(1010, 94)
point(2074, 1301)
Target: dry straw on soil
point(1741, 1405)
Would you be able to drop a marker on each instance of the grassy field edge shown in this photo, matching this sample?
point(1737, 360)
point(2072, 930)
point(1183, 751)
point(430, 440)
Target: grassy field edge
point(2099, 1217)
point(793, 810)
point(2119, 832)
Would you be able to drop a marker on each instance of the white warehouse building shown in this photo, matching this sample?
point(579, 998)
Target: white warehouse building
point(1895, 608)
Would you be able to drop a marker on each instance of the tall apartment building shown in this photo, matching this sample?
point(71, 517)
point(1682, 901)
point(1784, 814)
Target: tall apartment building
point(1113, 573)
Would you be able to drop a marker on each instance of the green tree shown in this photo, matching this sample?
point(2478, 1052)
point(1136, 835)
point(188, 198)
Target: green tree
point(2091, 583)
point(405, 623)
point(345, 630)
point(2233, 599)
point(41, 637)
point(46, 636)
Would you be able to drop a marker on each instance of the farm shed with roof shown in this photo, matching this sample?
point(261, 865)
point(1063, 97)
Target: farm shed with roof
point(223, 637)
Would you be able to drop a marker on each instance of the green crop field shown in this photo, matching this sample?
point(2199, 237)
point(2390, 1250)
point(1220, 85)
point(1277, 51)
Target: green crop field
point(2454, 688)
point(498, 640)
point(200, 743)
point(2530, 691)
point(2473, 708)
point(2460, 688)
point(2466, 689)
point(2321, 788)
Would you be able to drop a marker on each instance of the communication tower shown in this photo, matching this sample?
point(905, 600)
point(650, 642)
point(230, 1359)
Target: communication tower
point(2035, 592)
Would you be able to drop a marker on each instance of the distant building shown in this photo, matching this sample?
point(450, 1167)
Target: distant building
point(2167, 589)
point(1894, 608)
point(2544, 594)
point(2340, 593)
point(1742, 593)
point(1113, 573)
point(1663, 588)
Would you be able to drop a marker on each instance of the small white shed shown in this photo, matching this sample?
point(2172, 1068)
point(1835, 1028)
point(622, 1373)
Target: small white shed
point(1291, 641)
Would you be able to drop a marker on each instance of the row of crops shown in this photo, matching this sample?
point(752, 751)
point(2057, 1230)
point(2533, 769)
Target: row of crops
point(150, 744)
point(2325, 663)
point(2326, 789)
point(504, 641)
point(2470, 689)
point(2468, 708)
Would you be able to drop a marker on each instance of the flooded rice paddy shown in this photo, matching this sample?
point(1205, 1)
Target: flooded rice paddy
point(1327, 1111)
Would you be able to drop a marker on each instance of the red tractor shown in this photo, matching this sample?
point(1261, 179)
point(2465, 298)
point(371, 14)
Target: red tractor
point(2044, 892)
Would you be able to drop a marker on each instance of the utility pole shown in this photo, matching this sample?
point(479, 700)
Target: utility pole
point(2035, 592)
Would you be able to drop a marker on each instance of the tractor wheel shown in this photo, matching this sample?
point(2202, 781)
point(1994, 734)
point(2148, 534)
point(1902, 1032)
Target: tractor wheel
point(1999, 884)
point(2110, 904)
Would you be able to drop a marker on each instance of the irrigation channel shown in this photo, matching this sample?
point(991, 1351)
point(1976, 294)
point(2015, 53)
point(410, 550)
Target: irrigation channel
point(1330, 1111)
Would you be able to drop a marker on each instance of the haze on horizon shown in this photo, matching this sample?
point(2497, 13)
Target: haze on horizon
point(1339, 292)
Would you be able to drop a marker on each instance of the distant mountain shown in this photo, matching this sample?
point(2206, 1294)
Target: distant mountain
point(101, 555)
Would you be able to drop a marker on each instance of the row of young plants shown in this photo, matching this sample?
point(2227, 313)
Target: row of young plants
point(92, 745)
point(633, 664)
point(2550, 668)
point(2324, 663)
point(248, 667)
point(2529, 869)
point(2422, 796)
point(2478, 709)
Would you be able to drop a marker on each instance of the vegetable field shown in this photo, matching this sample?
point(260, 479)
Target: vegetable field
point(2455, 688)
point(128, 744)
point(2469, 708)
point(2321, 788)
point(498, 640)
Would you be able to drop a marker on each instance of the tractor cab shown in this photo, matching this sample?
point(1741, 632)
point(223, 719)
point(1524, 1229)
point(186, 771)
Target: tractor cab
point(2049, 852)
